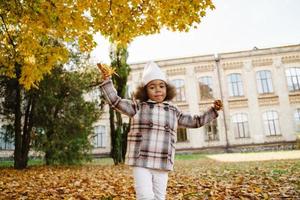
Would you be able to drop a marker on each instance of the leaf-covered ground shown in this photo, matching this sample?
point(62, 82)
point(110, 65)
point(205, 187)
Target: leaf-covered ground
point(193, 178)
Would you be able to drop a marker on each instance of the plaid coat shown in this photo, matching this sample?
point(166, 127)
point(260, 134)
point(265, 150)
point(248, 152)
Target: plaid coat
point(152, 135)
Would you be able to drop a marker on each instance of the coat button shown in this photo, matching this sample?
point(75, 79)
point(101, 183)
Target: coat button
point(151, 106)
point(166, 108)
point(167, 127)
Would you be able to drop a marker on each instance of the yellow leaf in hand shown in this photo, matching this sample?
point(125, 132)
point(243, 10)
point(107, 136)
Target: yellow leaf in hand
point(106, 70)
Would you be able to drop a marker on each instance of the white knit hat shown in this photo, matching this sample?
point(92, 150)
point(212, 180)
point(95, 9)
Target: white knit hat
point(152, 72)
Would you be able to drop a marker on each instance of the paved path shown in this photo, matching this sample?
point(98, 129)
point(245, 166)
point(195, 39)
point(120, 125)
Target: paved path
point(257, 156)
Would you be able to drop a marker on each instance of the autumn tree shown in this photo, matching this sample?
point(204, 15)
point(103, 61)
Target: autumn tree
point(118, 128)
point(63, 118)
point(33, 42)
point(17, 106)
point(61, 123)
point(34, 37)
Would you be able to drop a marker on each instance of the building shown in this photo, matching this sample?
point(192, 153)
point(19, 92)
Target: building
point(260, 89)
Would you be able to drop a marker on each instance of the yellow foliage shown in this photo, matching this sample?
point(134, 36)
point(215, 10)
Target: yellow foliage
point(106, 70)
point(34, 34)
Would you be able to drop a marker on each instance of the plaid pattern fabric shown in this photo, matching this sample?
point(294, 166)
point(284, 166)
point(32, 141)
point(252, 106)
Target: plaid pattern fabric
point(152, 135)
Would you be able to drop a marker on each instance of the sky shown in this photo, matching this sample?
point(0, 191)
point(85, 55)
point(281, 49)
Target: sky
point(235, 25)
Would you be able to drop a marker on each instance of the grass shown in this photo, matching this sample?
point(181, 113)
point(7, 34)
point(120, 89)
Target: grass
point(190, 156)
point(109, 161)
point(31, 162)
point(40, 162)
point(100, 161)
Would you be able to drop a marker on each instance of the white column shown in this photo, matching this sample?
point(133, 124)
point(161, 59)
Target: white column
point(196, 137)
point(254, 115)
point(285, 111)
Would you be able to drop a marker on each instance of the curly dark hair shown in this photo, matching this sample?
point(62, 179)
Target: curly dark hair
point(141, 93)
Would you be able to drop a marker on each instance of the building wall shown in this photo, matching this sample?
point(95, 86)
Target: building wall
point(246, 63)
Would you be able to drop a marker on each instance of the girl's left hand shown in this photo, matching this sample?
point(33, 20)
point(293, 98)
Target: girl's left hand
point(218, 105)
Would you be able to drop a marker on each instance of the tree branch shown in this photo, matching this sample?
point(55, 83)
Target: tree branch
point(6, 30)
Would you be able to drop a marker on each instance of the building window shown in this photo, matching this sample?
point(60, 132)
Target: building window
point(6, 140)
point(264, 81)
point(271, 123)
point(235, 85)
point(211, 131)
point(297, 120)
point(99, 136)
point(205, 85)
point(180, 90)
point(181, 135)
point(240, 125)
point(293, 78)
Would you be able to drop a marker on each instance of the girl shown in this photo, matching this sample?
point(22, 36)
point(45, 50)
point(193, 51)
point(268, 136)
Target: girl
point(152, 135)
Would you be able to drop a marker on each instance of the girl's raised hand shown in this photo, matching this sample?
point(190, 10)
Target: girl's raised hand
point(218, 105)
point(106, 70)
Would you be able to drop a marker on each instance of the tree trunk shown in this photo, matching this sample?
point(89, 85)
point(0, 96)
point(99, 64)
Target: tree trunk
point(48, 157)
point(27, 128)
point(126, 128)
point(49, 149)
point(19, 161)
point(119, 139)
point(116, 137)
point(118, 132)
point(112, 132)
point(22, 136)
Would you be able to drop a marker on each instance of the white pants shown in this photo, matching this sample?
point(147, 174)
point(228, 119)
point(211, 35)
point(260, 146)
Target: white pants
point(150, 184)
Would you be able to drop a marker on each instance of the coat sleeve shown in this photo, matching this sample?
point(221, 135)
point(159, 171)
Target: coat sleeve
point(124, 106)
point(196, 121)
